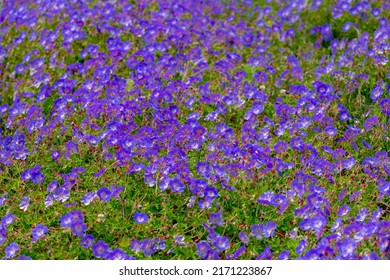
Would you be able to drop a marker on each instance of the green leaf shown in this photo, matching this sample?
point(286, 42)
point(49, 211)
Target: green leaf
point(47, 106)
point(124, 243)
point(129, 84)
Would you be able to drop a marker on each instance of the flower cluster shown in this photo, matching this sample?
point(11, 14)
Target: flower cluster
point(75, 220)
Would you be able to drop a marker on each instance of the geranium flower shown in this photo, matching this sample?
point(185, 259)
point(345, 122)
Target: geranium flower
point(38, 232)
point(140, 218)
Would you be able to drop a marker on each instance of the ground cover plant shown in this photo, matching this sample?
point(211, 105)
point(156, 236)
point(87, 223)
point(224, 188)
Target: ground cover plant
point(158, 129)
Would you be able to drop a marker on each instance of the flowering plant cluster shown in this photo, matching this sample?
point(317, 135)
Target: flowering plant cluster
point(186, 129)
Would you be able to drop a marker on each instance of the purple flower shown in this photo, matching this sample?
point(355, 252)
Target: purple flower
point(78, 228)
point(330, 130)
point(88, 198)
point(337, 224)
point(221, 243)
point(61, 194)
point(204, 249)
point(164, 183)
point(71, 148)
point(266, 254)
point(347, 247)
point(280, 146)
point(371, 122)
point(362, 214)
point(38, 232)
point(136, 245)
point(148, 247)
point(203, 169)
point(216, 219)
point(160, 243)
point(366, 144)
point(11, 250)
point(205, 203)
point(26, 175)
point(52, 186)
point(385, 106)
point(238, 253)
point(176, 185)
point(385, 189)
point(243, 237)
point(376, 93)
point(87, 240)
point(70, 218)
point(24, 258)
point(8, 219)
point(371, 256)
point(278, 200)
point(284, 255)
point(338, 153)
point(66, 220)
point(36, 175)
point(55, 155)
point(3, 235)
point(218, 171)
point(2, 200)
point(301, 246)
point(179, 240)
point(348, 163)
point(312, 254)
point(76, 215)
point(100, 249)
point(257, 231)
point(297, 144)
point(24, 203)
point(344, 210)
point(304, 122)
point(115, 191)
point(210, 192)
point(20, 68)
point(269, 229)
point(317, 223)
point(140, 218)
point(118, 254)
point(342, 194)
point(266, 198)
point(384, 243)
point(100, 172)
point(375, 12)
point(104, 194)
point(376, 215)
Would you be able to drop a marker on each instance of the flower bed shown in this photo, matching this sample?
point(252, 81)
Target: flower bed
point(194, 129)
